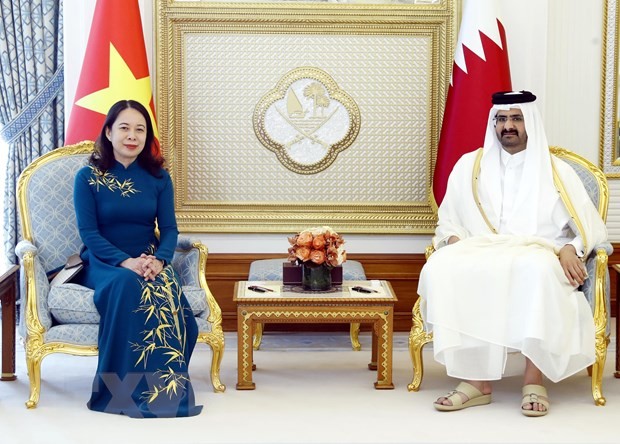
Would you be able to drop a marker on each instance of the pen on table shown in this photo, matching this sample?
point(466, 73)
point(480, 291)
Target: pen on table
point(259, 289)
point(363, 289)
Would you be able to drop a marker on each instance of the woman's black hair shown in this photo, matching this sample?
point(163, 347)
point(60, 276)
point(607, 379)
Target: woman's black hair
point(103, 156)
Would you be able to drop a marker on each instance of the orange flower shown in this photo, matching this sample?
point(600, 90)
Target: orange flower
point(304, 239)
point(292, 256)
point(321, 245)
point(317, 256)
point(318, 242)
point(293, 240)
point(336, 256)
point(302, 253)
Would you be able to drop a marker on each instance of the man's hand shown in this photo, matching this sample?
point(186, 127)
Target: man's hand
point(573, 268)
point(452, 239)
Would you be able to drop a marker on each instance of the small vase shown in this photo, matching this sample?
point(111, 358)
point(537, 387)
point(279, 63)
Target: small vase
point(316, 277)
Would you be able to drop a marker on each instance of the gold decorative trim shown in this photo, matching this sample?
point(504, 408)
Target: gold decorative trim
point(202, 202)
point(562, 154)
point(214, 338)
point(474, 189)
point(35, 346)
point(609, 151)
point(290, 126)
point(601, 179)
point(600, 326)
point(418, 338)
point(85, 147)
point(568, 203)
point(270, 316)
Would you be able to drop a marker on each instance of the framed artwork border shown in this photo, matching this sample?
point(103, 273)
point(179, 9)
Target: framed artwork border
point(609, 128)
point(173, 19)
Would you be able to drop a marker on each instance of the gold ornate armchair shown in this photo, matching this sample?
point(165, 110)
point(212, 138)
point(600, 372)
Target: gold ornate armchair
point(63, 318)
point(595, 289)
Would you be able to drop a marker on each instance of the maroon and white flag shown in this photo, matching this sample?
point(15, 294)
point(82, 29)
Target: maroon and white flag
point(480, 68)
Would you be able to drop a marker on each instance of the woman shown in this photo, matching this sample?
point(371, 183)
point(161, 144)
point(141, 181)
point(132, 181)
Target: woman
point(147, 331)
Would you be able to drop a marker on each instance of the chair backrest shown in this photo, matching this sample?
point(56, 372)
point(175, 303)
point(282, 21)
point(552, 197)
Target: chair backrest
point(594, 180)
point(45, 195)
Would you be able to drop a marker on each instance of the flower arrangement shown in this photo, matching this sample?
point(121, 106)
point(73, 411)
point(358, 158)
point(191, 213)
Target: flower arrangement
point(320, 245)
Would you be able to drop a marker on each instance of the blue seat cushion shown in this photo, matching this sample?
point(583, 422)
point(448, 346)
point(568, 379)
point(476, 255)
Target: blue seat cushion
point(73, 304)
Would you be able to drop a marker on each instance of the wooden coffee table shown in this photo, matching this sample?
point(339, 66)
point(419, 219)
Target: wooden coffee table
point(289, 304)
point(8, 293)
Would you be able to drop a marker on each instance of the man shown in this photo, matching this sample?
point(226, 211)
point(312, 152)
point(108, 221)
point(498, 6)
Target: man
point(510, 243)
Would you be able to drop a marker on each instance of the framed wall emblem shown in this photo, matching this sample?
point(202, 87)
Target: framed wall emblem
point(306, 120)
point(278, 116)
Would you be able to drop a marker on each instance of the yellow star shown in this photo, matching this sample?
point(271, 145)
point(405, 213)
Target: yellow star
point(122, 85)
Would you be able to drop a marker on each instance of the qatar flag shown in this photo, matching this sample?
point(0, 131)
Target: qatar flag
point(115, 68)
point(480, 68)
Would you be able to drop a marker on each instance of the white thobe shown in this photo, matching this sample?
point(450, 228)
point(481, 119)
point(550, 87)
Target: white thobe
point(491, 293)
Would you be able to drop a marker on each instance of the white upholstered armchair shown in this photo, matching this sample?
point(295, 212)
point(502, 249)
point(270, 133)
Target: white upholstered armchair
point(63, 318)
point(595, 288)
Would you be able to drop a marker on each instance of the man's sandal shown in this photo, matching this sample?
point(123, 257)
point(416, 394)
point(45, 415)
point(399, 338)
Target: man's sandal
point(475, 397)
point(533, 393)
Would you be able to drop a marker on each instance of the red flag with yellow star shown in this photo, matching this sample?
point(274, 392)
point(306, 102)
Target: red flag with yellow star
point(115, 68)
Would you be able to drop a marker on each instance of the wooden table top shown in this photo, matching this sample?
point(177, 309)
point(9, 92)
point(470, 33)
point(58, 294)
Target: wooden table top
point(6, 270)
point(380, 292)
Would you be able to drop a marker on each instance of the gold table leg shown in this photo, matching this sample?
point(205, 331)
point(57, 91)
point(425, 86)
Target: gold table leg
point(244, 351)
point(373, 354)
point(354, 333)
point(383, 355)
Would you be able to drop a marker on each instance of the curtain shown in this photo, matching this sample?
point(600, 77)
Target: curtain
point(31, 93)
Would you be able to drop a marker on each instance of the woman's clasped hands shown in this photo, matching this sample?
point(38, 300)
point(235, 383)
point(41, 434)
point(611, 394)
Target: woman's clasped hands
point(147, 266)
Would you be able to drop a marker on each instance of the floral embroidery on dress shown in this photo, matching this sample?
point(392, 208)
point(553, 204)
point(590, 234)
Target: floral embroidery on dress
point(160, 300)
point(109, 180)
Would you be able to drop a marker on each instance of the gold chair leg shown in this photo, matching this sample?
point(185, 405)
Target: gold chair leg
point(415, 350)
point(33, 365)
point(258, 335)
point(597, 371)
point(597, 389)
point(218, 353)
point(600, 326)
point(354, 332)
point(417, 339)
point(215, 340)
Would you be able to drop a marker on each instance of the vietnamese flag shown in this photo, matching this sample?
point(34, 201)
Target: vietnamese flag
point(480, 68)
point(115, 67)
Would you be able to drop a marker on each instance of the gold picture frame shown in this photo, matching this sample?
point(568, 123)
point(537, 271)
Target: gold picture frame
point(216, 60)
point(610, 129)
